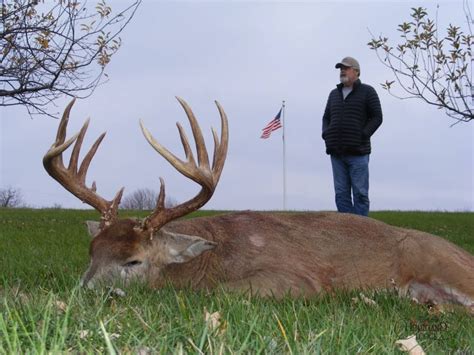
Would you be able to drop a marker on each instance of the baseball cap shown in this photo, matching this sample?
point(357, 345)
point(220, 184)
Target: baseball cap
point(348, 62)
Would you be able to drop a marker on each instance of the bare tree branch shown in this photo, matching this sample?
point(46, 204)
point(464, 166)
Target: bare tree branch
point(437, 71)
point(144, 199)
point(57, 48)
point(11, 197)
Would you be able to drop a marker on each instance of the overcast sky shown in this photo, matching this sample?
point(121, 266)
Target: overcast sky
point(250, 56)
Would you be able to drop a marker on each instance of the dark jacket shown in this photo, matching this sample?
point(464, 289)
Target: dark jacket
point(348, 124)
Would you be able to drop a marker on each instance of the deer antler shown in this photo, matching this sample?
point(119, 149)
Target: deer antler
point(74, 180)
point(201, 173)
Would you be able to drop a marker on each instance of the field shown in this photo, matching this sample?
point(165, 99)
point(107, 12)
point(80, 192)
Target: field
point(43, 310)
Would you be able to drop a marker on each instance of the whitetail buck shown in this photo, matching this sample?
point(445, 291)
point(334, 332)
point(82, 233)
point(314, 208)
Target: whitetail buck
point(267, 253)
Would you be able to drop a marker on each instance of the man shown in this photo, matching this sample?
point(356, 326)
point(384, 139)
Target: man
point(351, 117)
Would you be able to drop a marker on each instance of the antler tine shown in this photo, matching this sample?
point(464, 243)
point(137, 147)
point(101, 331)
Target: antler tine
point(73, 180)
point(149, 221)
point(160, 203)
point(185, 142)
point(59, 145)
point(165, 153)
point(56, 150)
point(203, 158)
point(202, 174)
point(88, 158)
point(61, 134)
point(189, 168)
point(220, 150)
point(216, 146)
point(111, 213)
point(77, 147)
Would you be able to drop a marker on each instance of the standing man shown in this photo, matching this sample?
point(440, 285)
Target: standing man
point(351, 117)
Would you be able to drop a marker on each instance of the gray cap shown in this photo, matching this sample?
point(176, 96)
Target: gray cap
point(348, 62)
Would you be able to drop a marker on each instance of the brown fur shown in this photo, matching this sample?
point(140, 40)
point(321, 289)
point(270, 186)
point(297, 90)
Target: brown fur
point(299, 253)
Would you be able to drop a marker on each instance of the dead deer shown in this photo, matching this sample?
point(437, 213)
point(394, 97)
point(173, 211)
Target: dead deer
point(300, 254)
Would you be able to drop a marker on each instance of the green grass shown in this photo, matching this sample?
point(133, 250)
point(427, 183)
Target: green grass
point(457, 227)
point(44, 252)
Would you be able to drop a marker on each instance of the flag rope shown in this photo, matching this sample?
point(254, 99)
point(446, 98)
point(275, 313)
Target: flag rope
point(284, 154)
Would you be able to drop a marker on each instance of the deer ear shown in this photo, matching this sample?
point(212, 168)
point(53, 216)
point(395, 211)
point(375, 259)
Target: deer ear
point(93, 227)
point(180, 248)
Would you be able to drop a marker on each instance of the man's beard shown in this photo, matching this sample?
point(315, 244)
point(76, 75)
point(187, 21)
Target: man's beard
point(344, 79)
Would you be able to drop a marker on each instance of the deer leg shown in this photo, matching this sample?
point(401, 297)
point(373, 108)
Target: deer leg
point(435, 271)
point(437, 294)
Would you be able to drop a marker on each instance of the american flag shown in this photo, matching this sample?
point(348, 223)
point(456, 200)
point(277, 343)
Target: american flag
point(273, 125)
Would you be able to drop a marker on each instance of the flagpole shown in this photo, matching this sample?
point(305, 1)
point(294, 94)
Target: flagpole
point(284, 154)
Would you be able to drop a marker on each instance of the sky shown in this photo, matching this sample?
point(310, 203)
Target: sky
point(250, 56)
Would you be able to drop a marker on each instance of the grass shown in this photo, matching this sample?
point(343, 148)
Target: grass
point(43, 310)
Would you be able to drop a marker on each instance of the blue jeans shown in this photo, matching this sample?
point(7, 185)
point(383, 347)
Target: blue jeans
point(351, 174)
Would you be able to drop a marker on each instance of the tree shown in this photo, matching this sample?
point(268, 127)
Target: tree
point(435, 69)
point(144, 199)
point(49, 49)
point(10, 197)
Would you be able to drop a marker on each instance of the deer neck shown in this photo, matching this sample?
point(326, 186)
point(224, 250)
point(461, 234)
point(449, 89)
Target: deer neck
point(197, 272)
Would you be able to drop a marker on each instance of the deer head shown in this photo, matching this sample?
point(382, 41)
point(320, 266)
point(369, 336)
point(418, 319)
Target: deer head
point(131, 249)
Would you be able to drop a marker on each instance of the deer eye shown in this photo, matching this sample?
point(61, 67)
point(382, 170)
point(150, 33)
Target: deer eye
point(132, 263)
